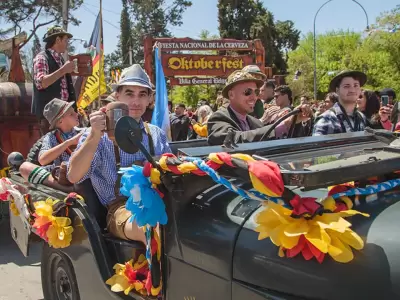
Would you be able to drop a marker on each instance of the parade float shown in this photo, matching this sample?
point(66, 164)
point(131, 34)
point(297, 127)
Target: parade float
point(307, 218)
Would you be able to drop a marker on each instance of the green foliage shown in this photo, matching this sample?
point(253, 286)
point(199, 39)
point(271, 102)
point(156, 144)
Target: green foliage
point(191, 95)
point(376, 54)
point(125, 37)
point(152, 17)
point(141, 18)
point(17, 12)
point(248, 20)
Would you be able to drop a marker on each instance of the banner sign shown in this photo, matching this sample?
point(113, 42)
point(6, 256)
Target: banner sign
point(170, 44)
point(207, 65)
point(196, 81)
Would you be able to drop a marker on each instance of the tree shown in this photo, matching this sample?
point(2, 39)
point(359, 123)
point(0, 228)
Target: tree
point(17, 12)
point(248, 20)
point(341, 50)
point(151, 17)
point(125, 37)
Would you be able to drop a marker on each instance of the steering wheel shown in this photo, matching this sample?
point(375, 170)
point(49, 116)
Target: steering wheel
point(280, 120)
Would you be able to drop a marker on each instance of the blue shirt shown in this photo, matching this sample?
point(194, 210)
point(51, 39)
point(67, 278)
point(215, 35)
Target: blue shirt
point(334, 121)
point(50, 141)
point(103, 169)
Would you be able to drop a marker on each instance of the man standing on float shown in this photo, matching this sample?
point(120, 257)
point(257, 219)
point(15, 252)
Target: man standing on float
point(51, 75)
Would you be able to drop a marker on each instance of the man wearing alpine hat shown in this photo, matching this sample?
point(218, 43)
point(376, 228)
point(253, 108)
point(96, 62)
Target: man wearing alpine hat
point(57, 145)
point(51, 74)
point(242, 89)
point(343, 116)
point(96, 157)
point(255, 71)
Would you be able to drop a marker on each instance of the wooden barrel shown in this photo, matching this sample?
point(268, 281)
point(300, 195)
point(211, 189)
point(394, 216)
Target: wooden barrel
point(15, 99)
point(19, 128)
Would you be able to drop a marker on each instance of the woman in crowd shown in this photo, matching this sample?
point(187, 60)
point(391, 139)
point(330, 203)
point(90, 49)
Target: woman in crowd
point(200, 127)
point(378, 117)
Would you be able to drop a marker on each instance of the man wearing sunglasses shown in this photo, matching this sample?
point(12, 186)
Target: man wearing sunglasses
point(283, 105)
point(255, 71)
point(242, 89)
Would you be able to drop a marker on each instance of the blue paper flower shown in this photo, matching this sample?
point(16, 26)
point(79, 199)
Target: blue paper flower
point(144, 202)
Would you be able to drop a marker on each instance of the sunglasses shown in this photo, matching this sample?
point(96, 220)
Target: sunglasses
point(249, 91)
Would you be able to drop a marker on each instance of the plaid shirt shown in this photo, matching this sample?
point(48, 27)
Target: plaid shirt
point(333, 120)
point(41, 68)
point(103, 169)
point(50, 141)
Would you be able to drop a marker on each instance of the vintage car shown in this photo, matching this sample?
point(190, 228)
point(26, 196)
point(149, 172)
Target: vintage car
point(210, 248)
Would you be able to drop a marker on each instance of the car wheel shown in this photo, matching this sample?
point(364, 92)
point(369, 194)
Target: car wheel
point(58, 276)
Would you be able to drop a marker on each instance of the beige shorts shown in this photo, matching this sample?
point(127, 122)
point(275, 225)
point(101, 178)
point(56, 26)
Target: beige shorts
point(117, 217)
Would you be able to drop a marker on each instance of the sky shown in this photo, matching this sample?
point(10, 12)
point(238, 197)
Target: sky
point(338, 14)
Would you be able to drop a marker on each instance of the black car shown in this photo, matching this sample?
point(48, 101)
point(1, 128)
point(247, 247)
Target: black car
point(210, 249)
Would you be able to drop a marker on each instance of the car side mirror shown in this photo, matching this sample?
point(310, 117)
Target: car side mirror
point(128, 134)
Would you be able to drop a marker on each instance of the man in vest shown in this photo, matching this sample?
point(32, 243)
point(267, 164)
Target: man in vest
point(96, 157)
point(51, 74)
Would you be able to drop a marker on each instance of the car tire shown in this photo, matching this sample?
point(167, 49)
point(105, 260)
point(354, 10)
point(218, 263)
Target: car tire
point(33, 155)
point(58, 276)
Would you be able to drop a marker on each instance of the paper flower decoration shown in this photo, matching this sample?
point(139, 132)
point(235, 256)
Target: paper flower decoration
point(144, 201)
point(328, 233)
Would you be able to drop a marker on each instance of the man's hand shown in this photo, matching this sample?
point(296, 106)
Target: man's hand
point(304, 115)
point(68, 67)
point(98, 122)
point(74, 140)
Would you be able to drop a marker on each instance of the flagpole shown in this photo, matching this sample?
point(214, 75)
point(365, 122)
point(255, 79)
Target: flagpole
point(101, 50)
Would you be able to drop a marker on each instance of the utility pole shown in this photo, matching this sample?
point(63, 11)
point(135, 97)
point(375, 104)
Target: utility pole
point(130, 55)
point(101, 71)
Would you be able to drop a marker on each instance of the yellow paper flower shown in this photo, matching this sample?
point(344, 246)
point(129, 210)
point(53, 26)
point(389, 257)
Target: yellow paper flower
point(45, 208)
point(130, 277)
point(60, 233)
point(328, 233)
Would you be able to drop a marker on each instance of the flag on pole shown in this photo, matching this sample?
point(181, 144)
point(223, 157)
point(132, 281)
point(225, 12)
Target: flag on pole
point(161, 114)
point(90, 87)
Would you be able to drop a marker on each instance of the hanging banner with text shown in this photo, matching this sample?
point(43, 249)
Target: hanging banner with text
point(207, 65)
point(170, 44)
point(196, 81)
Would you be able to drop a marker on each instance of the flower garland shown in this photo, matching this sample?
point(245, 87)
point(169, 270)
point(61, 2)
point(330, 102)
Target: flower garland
point(308, 227)
point(148, 211)
point(305, 226)
point(51, 220)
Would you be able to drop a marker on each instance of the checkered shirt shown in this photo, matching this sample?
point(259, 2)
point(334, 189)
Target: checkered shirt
point(330, 122)
point(103, 169)
point(41, 68)
point(50, 141)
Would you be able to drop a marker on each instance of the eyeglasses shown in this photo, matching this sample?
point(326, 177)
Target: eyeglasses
point(249, 91)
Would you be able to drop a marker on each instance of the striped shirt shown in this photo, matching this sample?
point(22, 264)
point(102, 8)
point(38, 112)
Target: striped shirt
point(50, 141)
point(103, 169)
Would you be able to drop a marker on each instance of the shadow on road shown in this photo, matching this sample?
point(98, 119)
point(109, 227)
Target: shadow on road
point(20, 276)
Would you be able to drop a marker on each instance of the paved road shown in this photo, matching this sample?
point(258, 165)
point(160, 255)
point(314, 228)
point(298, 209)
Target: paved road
point(19, 276)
